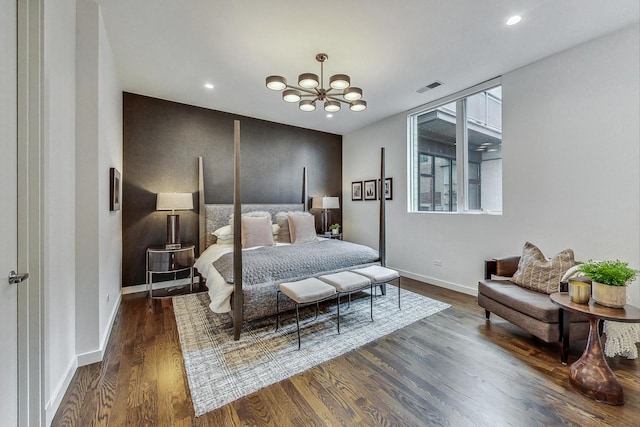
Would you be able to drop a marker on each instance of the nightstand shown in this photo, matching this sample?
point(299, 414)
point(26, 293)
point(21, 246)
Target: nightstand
point(161, 260)
point(331, 236)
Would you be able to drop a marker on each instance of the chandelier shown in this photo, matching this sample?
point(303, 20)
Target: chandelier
point(307, 92)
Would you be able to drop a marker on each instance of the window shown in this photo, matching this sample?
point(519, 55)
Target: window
point(465, 129)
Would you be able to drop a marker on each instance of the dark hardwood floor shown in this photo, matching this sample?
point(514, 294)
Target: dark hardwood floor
point(452, 368)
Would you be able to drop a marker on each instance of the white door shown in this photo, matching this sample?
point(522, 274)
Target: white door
point(8, 215)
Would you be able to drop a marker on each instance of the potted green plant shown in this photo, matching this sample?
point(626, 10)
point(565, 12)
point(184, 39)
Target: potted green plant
point(335, 228)
point(609, 280)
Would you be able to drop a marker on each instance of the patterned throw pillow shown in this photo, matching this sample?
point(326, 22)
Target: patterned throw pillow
point(541, 274)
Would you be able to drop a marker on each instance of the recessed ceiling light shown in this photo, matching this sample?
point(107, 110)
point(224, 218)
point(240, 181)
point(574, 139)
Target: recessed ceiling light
point(514, 20)
point(208, 85)
point(329, 116)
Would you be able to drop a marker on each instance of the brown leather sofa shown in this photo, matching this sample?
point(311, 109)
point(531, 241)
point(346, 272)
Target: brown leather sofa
point(530, 310)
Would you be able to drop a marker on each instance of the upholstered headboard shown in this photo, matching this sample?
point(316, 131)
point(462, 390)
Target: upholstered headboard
point(217, 216)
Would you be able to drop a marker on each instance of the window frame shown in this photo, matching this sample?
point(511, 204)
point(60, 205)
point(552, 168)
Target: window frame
point(462, 173)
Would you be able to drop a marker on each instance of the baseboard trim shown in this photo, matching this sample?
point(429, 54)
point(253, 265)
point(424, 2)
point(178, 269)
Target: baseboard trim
point(441, 283)
point(97, 355)
point(133, 289)
point(56, 397)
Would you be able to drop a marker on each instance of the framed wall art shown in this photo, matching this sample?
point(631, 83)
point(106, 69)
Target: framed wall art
point(370, 190)
point(388, 189)
point(356, 190)
point(114, 189)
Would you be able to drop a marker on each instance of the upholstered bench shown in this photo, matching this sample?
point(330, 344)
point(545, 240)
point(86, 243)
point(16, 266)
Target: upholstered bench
point(347, 282)
point(304, 292)
point(379, 276)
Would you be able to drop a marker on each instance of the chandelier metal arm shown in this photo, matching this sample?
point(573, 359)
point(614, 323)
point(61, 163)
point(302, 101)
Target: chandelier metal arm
point(301, 89)
point(333, 97)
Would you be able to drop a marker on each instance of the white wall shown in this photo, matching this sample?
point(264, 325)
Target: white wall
point(110, 155)
point(87, 182)
point(59, 200)
point(571, 172)
point(98, 147)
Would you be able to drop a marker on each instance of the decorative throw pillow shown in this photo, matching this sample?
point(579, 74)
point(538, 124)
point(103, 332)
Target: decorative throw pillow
point(302, 228)
point(541, 274)
point(282, 219)
point(256, 231)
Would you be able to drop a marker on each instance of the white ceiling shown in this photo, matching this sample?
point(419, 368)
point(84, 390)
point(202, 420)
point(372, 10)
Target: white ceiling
point(169, 48)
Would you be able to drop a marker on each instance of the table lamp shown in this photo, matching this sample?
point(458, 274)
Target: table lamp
point(174, 202)
point(325, 203)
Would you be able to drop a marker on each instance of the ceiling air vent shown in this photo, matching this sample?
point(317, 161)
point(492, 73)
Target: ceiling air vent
point(430, 86)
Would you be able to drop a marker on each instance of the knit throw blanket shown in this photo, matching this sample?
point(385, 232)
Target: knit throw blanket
point(621, 339)
point(294, 262)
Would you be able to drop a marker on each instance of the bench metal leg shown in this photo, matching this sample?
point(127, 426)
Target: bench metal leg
point(298, 324)
point(277, 310)
point(339, 311)
point(371, 298)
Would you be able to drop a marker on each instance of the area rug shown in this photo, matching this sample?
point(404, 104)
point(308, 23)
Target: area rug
point(221, 370)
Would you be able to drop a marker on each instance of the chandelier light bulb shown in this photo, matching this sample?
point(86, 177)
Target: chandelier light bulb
point(307, 105)
point(331, 106)
point(352, 94)
point(340, 81)
point(358, 105)
point(291, 95)
point(276, 82)
point(308, 80)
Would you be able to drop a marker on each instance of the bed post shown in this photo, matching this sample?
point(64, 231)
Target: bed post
point(238, 297)
point(201, 209)
point(383, 241)
point(305, 190)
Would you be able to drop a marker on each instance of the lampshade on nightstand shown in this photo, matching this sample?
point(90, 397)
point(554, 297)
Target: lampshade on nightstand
point(174, 202)
point(325, 203)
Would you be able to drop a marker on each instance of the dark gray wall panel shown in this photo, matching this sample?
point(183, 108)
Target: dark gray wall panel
point(162, 142)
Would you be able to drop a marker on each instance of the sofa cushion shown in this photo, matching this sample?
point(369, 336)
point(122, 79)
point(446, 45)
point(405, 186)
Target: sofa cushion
point(534, 304)
point(541, 274)
point(531, 303)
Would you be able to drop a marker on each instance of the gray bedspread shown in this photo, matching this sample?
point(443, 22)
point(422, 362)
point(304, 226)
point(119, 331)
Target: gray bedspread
point(276, 264)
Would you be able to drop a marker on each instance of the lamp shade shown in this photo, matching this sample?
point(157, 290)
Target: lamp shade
point(325, 203)
point(174, 202)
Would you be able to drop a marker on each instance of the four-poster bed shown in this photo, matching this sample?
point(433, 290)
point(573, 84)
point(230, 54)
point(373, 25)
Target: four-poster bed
point(245, 281)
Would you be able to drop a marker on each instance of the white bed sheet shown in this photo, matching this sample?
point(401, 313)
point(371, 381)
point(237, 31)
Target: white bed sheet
point(219, 290)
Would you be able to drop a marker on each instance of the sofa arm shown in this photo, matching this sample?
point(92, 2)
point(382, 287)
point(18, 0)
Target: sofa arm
point(501, 267)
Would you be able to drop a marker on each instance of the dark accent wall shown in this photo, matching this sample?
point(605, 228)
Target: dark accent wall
point(162, 143)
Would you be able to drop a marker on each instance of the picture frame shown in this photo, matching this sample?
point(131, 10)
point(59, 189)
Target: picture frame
point(370, 190)
point(388, 189)
point(356, 190)
point(114, 189)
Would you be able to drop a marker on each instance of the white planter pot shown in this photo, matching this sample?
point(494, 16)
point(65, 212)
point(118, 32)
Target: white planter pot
point(334, 231)
point(609, 296)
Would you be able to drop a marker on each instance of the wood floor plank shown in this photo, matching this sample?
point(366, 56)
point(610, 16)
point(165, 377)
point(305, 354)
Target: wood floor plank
point(453, 368)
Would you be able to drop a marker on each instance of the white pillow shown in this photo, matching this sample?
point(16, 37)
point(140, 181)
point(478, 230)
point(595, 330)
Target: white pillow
point(256, 231)
point(224, 241)
point(225, 232)
point(302, 228)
